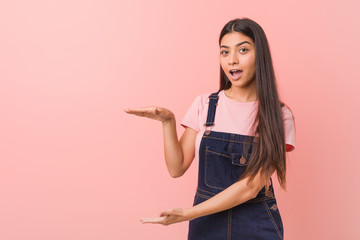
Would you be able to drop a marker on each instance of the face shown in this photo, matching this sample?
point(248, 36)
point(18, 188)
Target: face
point(237, 59)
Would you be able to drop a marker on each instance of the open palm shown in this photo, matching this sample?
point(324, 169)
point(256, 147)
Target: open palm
point(168, 217)
point(153, 112)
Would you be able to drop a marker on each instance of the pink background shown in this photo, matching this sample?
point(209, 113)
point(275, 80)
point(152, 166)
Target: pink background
point(74, 166)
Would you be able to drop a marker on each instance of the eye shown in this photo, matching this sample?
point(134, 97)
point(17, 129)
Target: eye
point(243, 50)
point(223, 52)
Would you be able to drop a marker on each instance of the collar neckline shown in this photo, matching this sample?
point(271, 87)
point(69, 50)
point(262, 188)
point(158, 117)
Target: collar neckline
point(222, 93)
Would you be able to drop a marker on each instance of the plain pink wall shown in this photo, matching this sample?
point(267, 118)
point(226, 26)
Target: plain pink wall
point(74, 166)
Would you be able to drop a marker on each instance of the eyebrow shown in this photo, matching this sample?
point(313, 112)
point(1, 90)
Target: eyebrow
point(223, 46)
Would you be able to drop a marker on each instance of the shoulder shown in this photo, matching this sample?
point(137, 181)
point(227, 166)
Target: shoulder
point(286, 111)
point(202, 99)
point(204, 95)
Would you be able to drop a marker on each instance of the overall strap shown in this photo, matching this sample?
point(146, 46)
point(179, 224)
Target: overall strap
point(213, 99)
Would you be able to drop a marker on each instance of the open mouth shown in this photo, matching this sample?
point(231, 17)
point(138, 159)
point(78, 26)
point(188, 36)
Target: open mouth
point(236, 73)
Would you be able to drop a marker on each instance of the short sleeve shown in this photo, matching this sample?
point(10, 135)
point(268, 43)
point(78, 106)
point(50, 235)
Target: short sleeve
point(289, 128)
point(191, 118)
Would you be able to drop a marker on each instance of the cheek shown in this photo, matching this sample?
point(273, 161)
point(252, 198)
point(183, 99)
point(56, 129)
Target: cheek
point(251, 64)
point(223, 67)
point(252, 61)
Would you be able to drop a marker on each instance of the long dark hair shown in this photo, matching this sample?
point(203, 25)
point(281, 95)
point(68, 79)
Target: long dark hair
point(268, 147)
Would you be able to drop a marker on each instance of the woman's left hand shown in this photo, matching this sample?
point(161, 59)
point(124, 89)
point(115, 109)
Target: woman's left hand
point(169, 216)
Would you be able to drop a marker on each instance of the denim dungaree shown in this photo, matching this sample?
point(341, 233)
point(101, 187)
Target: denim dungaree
point(222, 159)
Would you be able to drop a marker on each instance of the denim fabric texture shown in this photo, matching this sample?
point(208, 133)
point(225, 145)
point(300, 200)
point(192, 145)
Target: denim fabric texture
point(222, 159)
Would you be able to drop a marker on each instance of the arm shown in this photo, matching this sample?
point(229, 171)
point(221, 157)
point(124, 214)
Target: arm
point(232, 196)
point(178, 154)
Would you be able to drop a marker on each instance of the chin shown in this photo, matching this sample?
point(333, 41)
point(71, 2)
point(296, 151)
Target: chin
point(241, 84)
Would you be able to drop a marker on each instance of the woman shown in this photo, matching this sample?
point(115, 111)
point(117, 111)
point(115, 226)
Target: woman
point(238, 136)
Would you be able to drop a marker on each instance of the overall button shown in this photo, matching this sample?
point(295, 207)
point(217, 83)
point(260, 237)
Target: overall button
point(242, 160)
point(274, 207)
point(269, 194)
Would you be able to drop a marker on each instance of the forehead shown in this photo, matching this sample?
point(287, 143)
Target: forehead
point(233, 38)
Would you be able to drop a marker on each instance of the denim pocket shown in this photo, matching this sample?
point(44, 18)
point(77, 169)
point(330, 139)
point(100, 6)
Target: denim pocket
point(222, 168)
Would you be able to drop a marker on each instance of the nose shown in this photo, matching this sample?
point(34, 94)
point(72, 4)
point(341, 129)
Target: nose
point(233, 59)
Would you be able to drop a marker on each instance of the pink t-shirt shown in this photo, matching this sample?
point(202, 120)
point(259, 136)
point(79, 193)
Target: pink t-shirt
point(231, 116)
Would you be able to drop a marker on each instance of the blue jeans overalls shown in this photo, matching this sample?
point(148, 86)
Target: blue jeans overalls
point(222, 158)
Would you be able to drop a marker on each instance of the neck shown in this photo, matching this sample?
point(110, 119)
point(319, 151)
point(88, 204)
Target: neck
point(240, 94)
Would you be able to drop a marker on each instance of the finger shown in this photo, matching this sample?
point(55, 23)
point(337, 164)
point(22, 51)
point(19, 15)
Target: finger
point(152, 220)
point(157, 110)
point(133, 110)
point(139, 111)
point(172, 211)
point(165, 213)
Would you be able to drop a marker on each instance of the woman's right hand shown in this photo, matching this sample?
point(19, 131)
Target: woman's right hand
point(178, 153)
point(153, 112)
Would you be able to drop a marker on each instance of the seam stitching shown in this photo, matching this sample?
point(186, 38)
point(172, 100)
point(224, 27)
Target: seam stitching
point(272, 219)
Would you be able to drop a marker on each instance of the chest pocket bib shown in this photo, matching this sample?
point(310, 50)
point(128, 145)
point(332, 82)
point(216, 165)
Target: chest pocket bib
point(223, 168)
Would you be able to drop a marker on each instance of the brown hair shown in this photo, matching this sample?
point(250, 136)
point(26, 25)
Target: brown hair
point(268, 148)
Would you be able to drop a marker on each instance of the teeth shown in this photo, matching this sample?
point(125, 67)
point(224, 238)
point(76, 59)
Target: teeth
point(233, 71)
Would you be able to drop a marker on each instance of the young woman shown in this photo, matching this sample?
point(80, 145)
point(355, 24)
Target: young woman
point(239, 136)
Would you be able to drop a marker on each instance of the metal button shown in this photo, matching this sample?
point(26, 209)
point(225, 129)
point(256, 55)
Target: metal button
point(269, 194)
point(242, 160)
point(274, 207)
point(207, 132)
